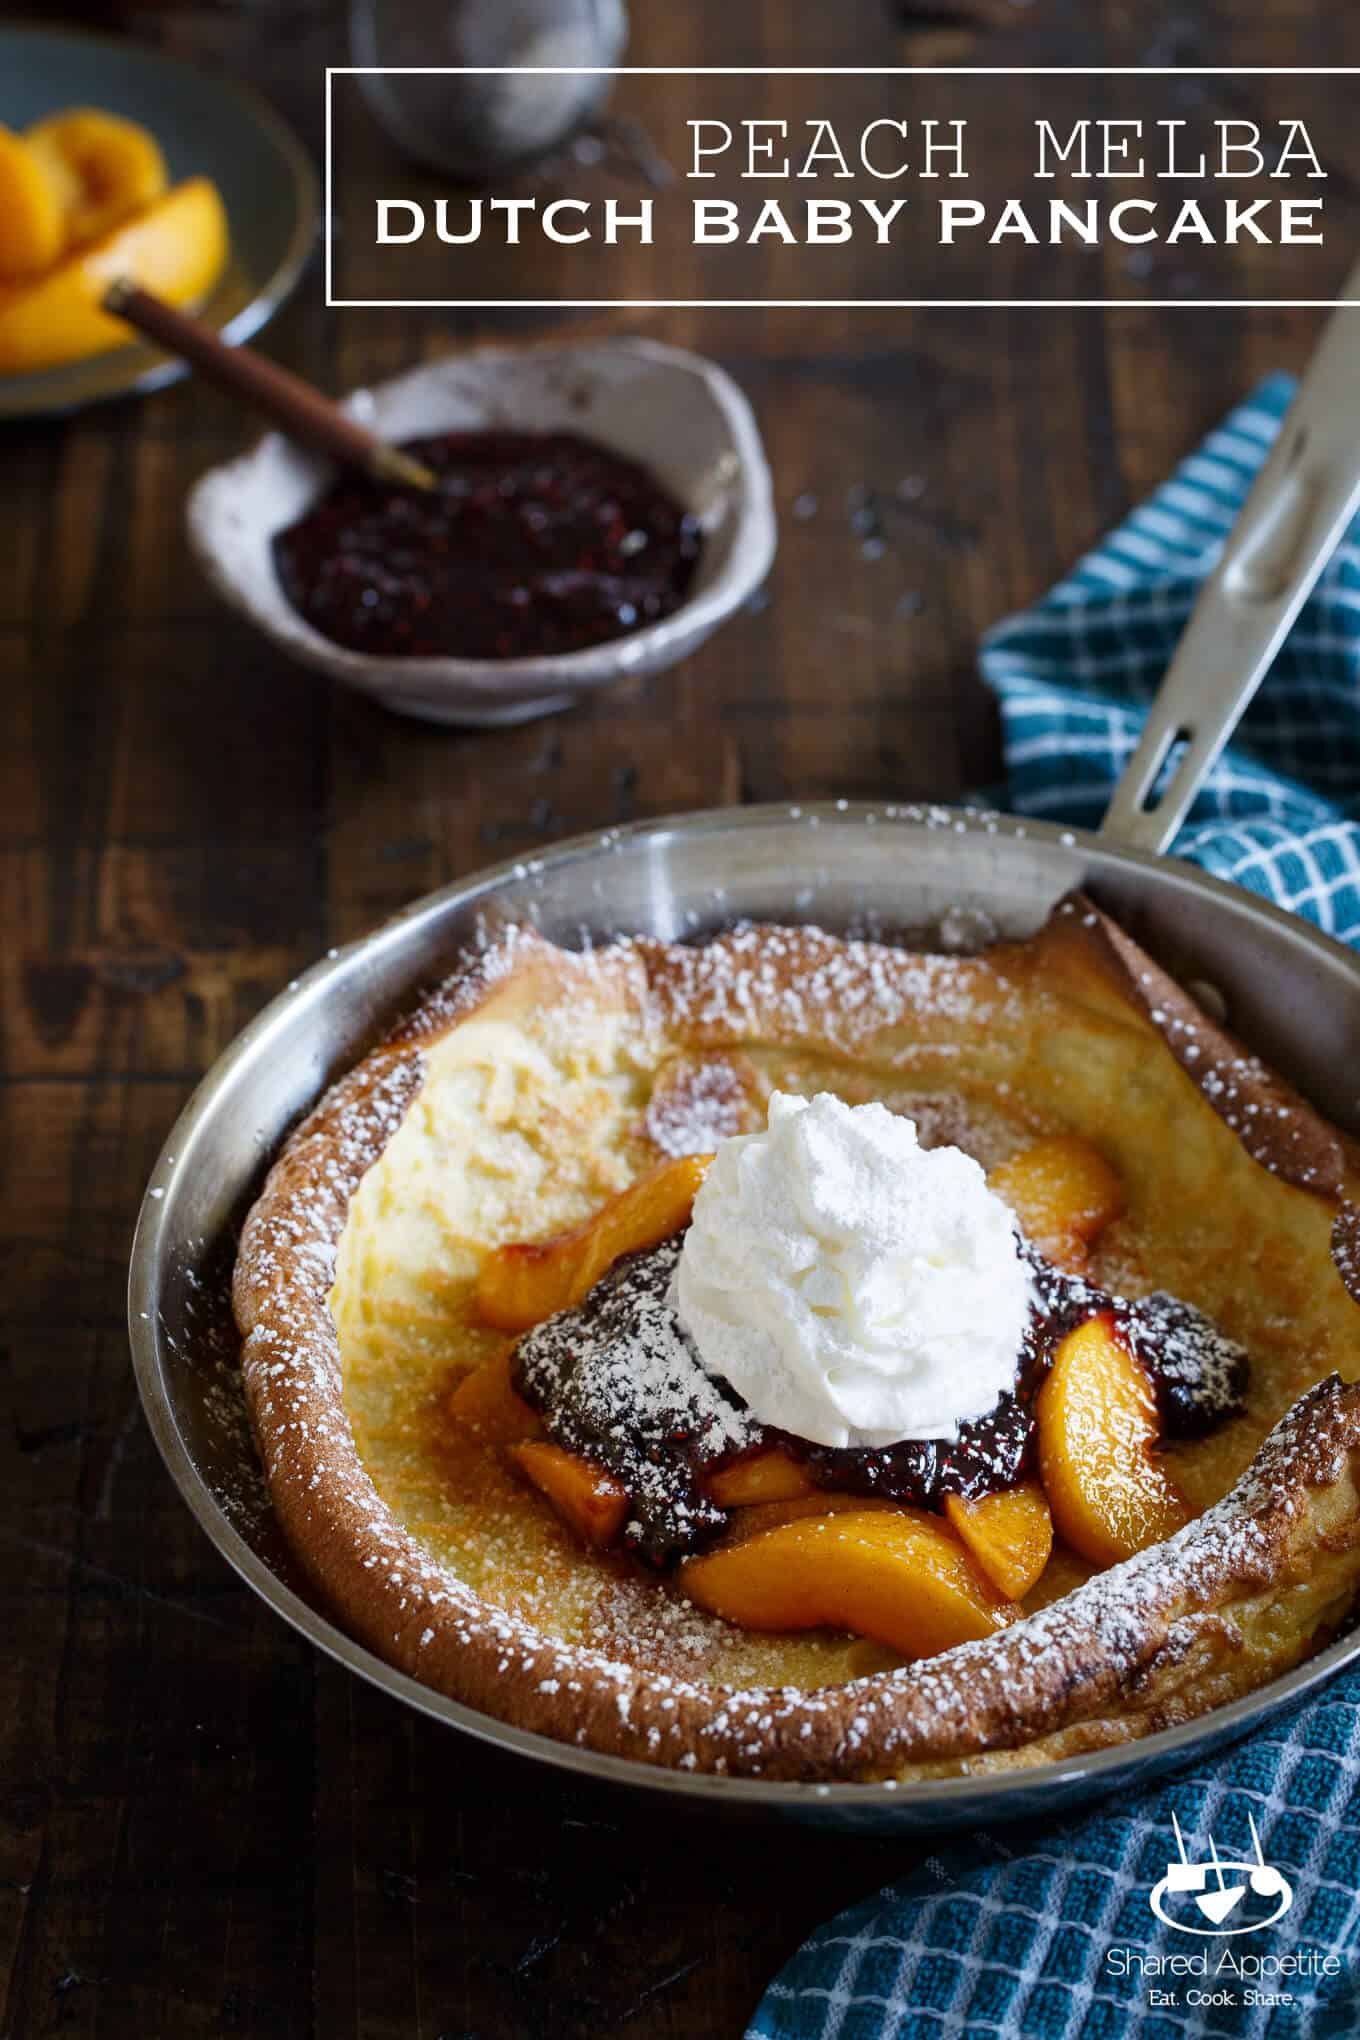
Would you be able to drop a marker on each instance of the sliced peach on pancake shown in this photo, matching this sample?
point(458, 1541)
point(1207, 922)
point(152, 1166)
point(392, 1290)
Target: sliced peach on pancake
point(894, 1574)
point(589, 1500)
point(1008, 1535)
point(486, 1401)
point(769, 1475)
point(522, 1284)
point(1098, 1427)
point(1064, 1193)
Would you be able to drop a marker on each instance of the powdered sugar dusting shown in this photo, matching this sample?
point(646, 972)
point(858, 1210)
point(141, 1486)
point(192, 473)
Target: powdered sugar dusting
point(854, 1287)
point(1277, 1128)
point(796, 983)
point(698, 1101)
point(1346, 1247)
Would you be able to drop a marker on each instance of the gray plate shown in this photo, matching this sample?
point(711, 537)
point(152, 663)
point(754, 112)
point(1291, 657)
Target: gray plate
point(206, 126)
point(1290, 991)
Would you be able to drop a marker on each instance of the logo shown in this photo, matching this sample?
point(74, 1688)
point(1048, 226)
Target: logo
point(1218, 1888)
point(1216, 1897)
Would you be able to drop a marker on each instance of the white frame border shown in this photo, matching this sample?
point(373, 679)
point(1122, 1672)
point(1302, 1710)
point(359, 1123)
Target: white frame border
point(812, 71)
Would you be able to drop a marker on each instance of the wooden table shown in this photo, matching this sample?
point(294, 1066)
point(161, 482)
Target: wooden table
point(204, 1827)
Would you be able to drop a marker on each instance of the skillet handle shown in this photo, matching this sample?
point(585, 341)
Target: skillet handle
point(1298, 510)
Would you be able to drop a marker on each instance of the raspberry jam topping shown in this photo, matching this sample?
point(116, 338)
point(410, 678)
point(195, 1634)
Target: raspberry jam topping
point(618, 1381)
point(1198, 1374)
point(534, 543)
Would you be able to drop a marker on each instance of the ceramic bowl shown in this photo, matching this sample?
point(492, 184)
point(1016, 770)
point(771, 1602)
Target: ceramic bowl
point(679, 415)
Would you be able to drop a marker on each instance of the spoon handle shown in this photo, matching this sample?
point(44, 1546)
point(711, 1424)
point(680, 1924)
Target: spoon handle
point(293, 405)
point(1290, 525)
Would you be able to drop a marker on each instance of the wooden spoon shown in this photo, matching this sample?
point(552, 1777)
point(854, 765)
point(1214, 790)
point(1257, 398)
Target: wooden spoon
point(293, 405)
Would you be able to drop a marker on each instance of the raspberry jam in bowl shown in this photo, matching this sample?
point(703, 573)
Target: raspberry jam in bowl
point(603, 507)
point(533, 543)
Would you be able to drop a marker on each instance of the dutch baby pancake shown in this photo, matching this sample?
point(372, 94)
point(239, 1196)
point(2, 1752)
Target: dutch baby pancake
point(804, 1357)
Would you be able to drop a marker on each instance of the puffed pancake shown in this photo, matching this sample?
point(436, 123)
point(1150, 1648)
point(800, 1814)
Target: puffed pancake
point(455, 1528)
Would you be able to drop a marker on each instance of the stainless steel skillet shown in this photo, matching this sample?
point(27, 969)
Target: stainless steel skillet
point(1289, 990)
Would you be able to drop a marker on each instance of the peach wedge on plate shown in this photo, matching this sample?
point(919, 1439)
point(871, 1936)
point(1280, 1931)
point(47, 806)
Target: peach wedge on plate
point(177, 248)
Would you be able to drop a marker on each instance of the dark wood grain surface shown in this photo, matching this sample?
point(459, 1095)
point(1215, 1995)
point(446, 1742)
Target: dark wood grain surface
point(205, 1829)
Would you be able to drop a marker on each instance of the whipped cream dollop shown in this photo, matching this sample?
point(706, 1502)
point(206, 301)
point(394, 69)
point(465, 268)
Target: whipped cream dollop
point(854, 1287)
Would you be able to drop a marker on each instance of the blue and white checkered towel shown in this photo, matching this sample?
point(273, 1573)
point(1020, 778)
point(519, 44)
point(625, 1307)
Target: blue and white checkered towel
point(1021, 1932)
point(1074, 675)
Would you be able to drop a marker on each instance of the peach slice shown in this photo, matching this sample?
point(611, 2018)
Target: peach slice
point(1009, 1535)
point(107, 168)
point(486, 1401)
point(589, 1500)
point(177, 248)
point(752, 1519)
point(1097, 1430)
point(770, 1475)
point(530, 1280)
point(1064, 1193)
point(894, 1574)
point(32, 225)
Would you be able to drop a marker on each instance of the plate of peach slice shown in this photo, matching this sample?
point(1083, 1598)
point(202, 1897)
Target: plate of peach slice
point(116, 160)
